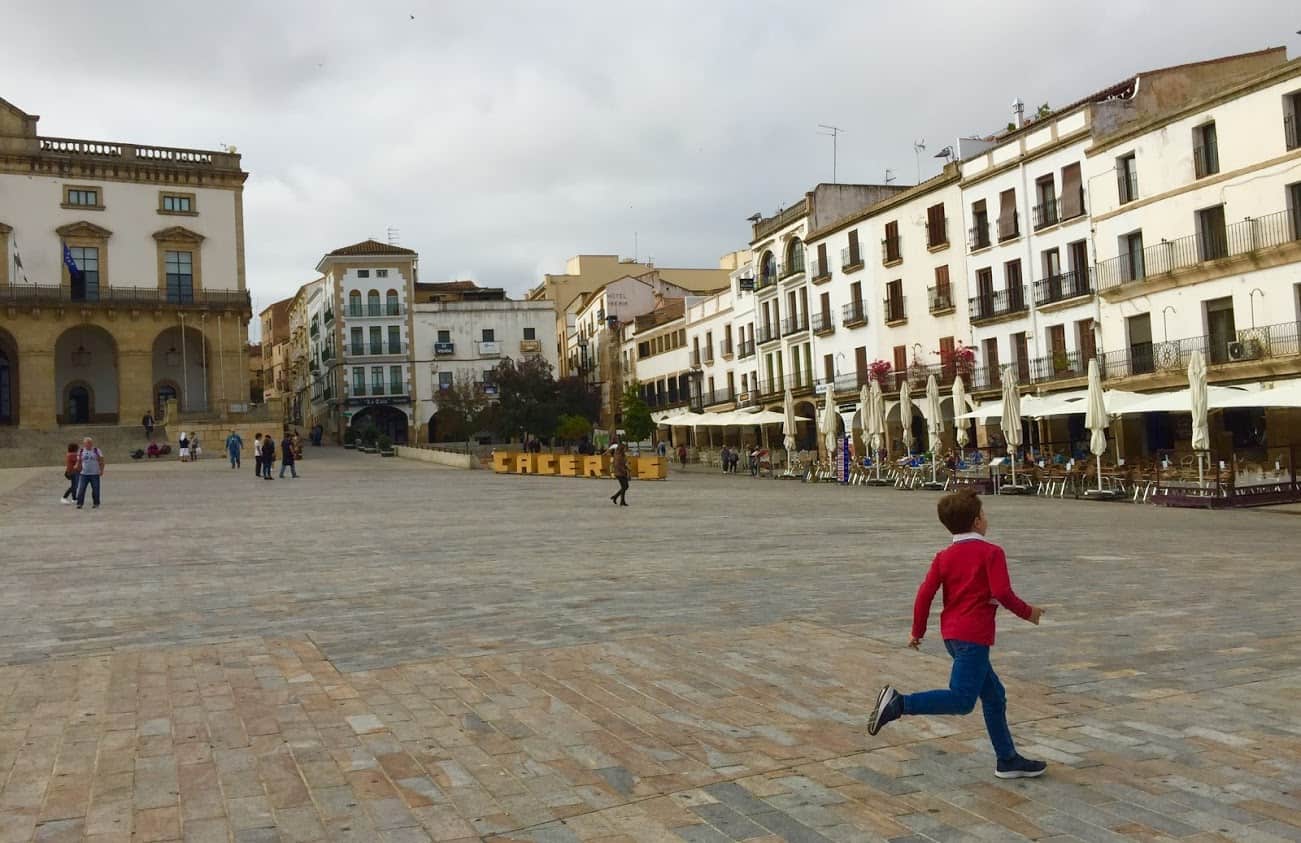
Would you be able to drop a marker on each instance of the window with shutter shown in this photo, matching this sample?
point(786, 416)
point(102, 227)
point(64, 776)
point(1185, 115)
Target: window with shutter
point(1072, 192)
point(900, 365)
point(1008, 224)
point(822, 268)
point(860, 364)
point(937, 233)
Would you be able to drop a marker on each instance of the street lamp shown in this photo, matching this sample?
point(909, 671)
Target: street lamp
point(1252, 299)
point(1165, 331)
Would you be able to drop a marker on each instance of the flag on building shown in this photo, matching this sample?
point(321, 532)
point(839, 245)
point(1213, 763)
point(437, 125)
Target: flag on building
point(70, 263)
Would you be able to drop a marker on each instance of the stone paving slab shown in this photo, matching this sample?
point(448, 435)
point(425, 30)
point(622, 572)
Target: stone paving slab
point(387, 651)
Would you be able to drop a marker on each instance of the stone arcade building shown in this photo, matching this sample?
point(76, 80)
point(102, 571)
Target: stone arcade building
point(121, 280)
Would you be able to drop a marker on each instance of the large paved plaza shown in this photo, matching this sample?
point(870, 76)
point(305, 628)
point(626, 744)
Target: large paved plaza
point(387, 651)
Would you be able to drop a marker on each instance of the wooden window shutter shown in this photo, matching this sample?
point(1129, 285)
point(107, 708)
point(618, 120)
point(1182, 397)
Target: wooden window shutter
point(822, 259)
point(829, 367)
point(860, 363)
point(901, 358)
point(1072, 191)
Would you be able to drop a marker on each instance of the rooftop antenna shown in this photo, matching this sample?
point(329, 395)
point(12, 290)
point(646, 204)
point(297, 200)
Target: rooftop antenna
point(889, 175)
point(919, 146)
point(393, 235)
point(832, 132)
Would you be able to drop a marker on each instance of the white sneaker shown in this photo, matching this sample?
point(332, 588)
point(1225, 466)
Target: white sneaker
point(64, 500)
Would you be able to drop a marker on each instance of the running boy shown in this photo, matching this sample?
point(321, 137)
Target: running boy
point(973, 573)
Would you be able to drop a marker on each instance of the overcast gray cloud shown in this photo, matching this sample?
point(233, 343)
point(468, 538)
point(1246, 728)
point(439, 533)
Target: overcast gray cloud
point(500, 138)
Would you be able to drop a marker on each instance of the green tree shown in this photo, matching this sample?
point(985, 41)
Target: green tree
point(461, 410)
point(637, 421)
point(526, 404)
point(573, 428)
point(575, 397)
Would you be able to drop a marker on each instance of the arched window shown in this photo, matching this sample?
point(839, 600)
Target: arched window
point(768, 269)
point(354, 303)
point(391, 302)
point(372, 303)
point(795, 256)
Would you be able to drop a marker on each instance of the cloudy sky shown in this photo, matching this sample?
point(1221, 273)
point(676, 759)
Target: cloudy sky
point(499, 138)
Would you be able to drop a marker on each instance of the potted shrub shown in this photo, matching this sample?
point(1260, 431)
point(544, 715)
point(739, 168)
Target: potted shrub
point(350, 438)
point(385, 443)
point(369, 439)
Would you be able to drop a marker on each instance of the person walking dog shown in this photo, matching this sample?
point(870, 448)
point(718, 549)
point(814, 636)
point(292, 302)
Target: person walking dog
point(973, 573)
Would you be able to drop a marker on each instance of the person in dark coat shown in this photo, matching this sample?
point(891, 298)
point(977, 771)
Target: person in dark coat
point(268, 455)
point(287, 456)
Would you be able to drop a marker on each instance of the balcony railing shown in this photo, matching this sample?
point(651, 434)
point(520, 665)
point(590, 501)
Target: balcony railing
point(794, 325)
point(1047, 213)
point(712, 397)
point(725, 349)
point(1060, 365)
point(1270, 342)
point(695, 359)
point(1009, 227)
point(1206, 160)
point(941, 298)
point(376, 311)
point(850, 258)
point(890, 252)
point(765, 282)
point(853, 314)
point(357, 389)
point(795, 267)
point(744, 349)
point(329, 316)
point(978, 236)
point(127, 297)
point(1057, 288)
point(895, 310)
point(823, 323)
point(1240, 238)
point(817, 270)
point(995, 304)
point(937, 233)
point(777, 386)
point(1291, 137)
point(767, 334)
point(377, 349)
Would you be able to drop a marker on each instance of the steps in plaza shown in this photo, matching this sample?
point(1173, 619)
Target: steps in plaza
point(20, 447)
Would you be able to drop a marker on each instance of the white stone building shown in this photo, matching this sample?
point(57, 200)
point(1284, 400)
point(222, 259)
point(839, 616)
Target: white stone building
point(462, 332)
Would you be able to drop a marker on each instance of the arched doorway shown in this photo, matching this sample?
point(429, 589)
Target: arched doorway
point(8, 380)
point(385, 419)
point(164, 391)
point(180, 357)
point(86, 376)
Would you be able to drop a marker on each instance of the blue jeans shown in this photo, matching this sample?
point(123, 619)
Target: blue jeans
point(972, 677)
point(234, 458)
point(91, 480)
point(288, 465)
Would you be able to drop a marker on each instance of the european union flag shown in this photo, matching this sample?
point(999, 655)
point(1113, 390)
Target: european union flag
point(70, 263)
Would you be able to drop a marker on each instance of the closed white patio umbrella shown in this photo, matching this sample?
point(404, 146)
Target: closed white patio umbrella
point(1200, 406)
point(959, 408)
point(1011, 423)
point(906, 416)
point(829, 426)
point(934, 423)
point(788, 426)
point(1096, 418)
point(874, 422)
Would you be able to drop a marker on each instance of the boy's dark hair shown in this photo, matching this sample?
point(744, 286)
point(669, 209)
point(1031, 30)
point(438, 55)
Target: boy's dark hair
point(958, 511)
point(72, 447)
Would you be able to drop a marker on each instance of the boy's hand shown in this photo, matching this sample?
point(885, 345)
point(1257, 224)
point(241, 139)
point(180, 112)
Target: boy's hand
point(1035, 614)
point(915, 643)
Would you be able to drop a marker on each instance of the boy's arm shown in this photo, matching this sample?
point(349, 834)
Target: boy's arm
point(1000, 586)
point(925, 596)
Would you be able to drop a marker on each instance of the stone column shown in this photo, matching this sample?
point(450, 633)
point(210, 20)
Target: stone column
point(37, 394)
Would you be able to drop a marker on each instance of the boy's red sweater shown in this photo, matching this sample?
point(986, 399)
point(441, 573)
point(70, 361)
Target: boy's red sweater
point(973, 573)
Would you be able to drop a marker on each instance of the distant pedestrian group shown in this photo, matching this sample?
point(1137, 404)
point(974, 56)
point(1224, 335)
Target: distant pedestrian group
point(83, 468)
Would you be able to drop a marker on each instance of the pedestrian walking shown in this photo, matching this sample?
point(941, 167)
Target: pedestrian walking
point(184, 442)
point(148, 424)
point(70, 473)
point(90, 468)
point(287, 456)
point(754, 461)
point(195, 450)
point(257, 455)
point(973, 573)
point(268, 455)
point(682, 455)
point(619, 468)
point(234, 444)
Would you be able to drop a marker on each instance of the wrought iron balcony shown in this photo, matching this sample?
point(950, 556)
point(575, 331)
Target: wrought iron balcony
point(941, 298)
point(817, 271)
point(745, 348)
point(108, 296)
point(793, 268)
point(895, 309)
point(1269, 342)
point(1062, 287)
point(890, 250)
point(1060, 365)
point(767, 282)
point(823, 324)
point(1240, 238)
point(767, 334)
point(1009, 227)
point(850, 259)
point(375, 311)
point(725, 349)
point(978, 235)
point(993, 305)
point(1047, 213)
point(853, 314)
point(794, 325)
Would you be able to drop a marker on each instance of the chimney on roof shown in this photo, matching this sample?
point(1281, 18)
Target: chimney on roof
point(1018, 112)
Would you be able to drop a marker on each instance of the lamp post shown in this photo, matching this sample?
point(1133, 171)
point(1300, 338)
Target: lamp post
point(1252, 299)
point(1165, 331)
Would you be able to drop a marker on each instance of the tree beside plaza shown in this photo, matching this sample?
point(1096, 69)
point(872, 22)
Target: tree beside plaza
point(572, 428)
point(637, 422)
point(576, 397)
point(526, 398)
point(461, 409)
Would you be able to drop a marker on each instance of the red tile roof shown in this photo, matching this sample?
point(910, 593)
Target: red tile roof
point(371, 247)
